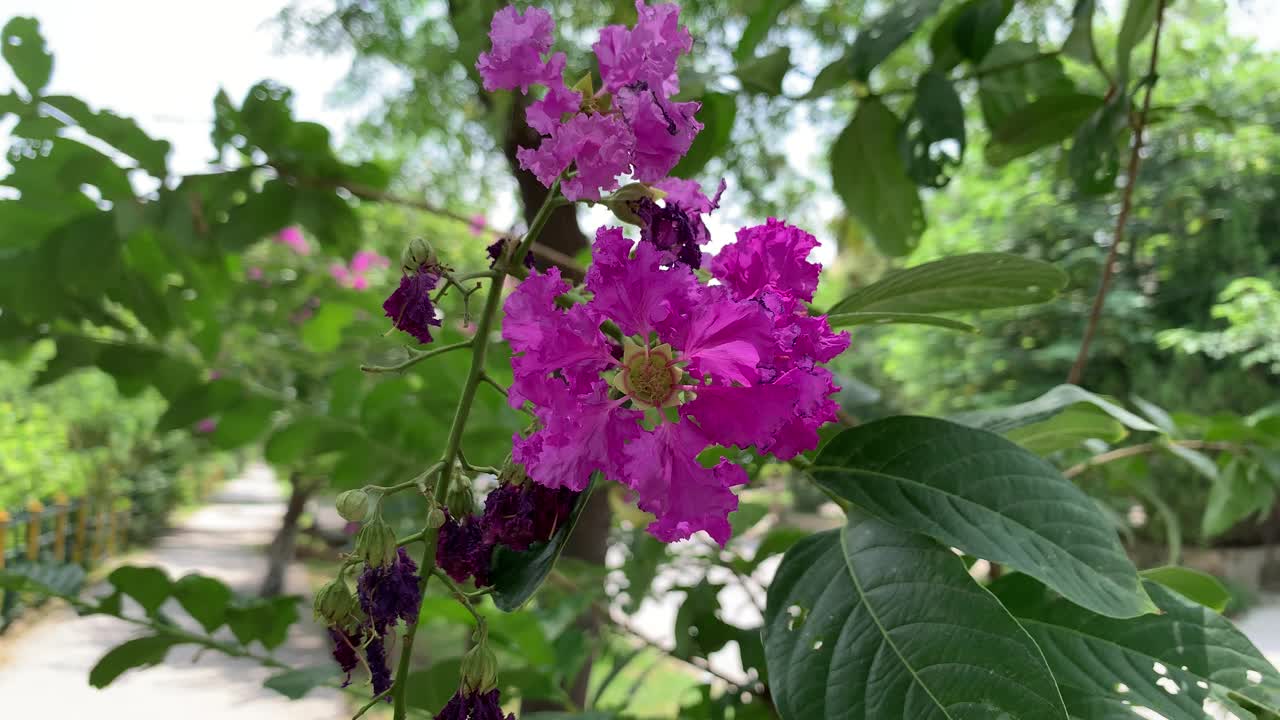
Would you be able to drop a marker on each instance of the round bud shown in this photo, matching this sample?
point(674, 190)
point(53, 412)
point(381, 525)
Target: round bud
point(622, 200)
point(353, 505)
point(435, 518)
point(376, 543)
point(418, 253)
point(459, 499)
point(334, 603)
point(479, 669)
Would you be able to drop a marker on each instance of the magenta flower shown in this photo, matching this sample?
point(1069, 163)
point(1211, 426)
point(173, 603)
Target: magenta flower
point(366, 260)
point(292, 236)
point(639, 130)
point(468, 705)
point(701, 365)
point(253, 272)
point(207, 425)
point(339, 272)
point(477, 225)
point(409, 306)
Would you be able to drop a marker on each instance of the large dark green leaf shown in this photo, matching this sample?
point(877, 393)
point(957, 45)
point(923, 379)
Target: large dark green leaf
point(1045, 121)
point(981, 493)
point(1200, 587)
point(717, 114)
point(868, 174)
point(933, 139)
point(836, 74)
point(288, 444)
point(244, 422)
point(963, 282)
point(204, 598)
point(1046, 406)
point(878, 38)
point(23, 48)
point(119, 132)
point(874, 622)
point(293, 684)
point(517, 575)
point(968, 32)
point(150, 586)
point(200, 402)
point(1171, 662)
point(1068, 429)
point(1094, 160)
point(139, 652)
point(1014, 75)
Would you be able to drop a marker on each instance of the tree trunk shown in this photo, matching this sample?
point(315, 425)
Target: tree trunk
point(280, 554)
point(591, 536)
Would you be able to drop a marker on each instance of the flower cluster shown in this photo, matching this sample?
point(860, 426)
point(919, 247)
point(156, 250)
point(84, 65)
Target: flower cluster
point(473, 706)
point(355, 274)
point(409, 306)
point(632, 125)
point(699, 365)
point(515, 516)
point(292, 236)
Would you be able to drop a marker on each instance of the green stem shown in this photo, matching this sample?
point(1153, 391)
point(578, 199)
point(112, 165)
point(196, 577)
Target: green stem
point(479, 349)
point(415, 358)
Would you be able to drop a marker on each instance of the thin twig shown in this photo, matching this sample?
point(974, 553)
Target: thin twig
point(415, 358)
point(1122, 220)
point(487, 378)
point(373, 701)
point(1143, 449)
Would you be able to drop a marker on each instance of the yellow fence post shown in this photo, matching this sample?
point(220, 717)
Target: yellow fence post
point(4, 535)
point(35, 510)
point(82, 530)
point(61, 502)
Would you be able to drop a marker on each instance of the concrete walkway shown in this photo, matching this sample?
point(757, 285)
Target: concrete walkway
point(44, 669)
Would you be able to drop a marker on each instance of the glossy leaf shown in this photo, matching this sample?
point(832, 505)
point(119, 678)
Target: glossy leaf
point(23, 48)
point(933, 137)
point(878, 38)
point(1045, 121)
point(868, 174)
point(517, 576)
point(150, 586)
point(1171, 662)
point(1046, 406)
point(852, 319)
point(294, 684)
point(976, 281)
point(718, 113)
point(1194, 585)
point(1068, 429)
point(204, 598)
point(139, 652)
point(980, 493)
point(851, 628)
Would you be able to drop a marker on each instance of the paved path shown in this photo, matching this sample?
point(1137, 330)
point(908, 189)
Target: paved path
point(44, 670)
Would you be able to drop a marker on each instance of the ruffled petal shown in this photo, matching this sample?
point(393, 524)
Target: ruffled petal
point(580, 434)
point(688, 194)
point(813, 408)
point(663, 131)
point(635, 292)
point(545, 115)
point(742, 415)
point(773, 255)
point(720, 337)
point(519, 40)
point(646, 53)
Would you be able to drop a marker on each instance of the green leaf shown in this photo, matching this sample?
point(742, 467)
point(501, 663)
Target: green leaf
point(761, 20)
point(323, 333)
point(200, 402)
point(430, 689)
point(150, 586)
point(1094, 159)
point(1079, 43)
point(933, 140)
point(837, 73)
point(1014, 75)
point(23, 48)
point(204, 598)
point(518, 575)
point(852, 628)
point(1068, 429)
point(868, 173)
point(293, 684)
point(243, 423)
point(264, 620)
point(1051, 403)
point(1045, 121)
point(56, 579)
point(976, 281)
point(763, 75)
point(1169, 662)
point(878, 38)
point(980, 493)
point(1200, 587)
point(1238, 492)
point(139, 652)
point(968, 32)
point(1196, 459)
point(119, 132)
point(1139, 17)
point(746, 517)
point(287, 445)
point(852, 319)
point(717, 114)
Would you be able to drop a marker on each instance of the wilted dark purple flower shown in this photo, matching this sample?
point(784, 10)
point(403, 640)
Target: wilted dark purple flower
point(410, 307)
point(675, 232)
point(518, 515)
point(376, 653)
point(462, 551)
point(344, 651)
point(474, 706)
point(496, 249)
point(390, 593)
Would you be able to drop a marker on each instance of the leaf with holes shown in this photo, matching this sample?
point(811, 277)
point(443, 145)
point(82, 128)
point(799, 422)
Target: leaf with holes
point(852, 628)
point(868, 174)
point(983, 494)
point(1172, 662)
point(976, 281)
point(932, 138)
point(878, 38)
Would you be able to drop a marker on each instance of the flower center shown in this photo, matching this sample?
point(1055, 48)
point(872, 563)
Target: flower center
point(649, 376)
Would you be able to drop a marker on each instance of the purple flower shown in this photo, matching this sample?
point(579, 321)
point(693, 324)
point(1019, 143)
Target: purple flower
point(499, 246)
point(519, 515)
point(410, 307)
point(379, 672)
point(473, 706)
point(344, 651)
point(461, 550)
point(547, 114)
point(663, 130)
point(732, 365)
point(390, 593)
point(601, 147)
point(207, 425)
point(519, 41)
point(366, 260)
point(477, 224)
point(292, 236)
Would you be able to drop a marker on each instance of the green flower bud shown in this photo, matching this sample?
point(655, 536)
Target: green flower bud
point(459, 499)
point(353, 505)
point(435, 518)
point(479, 669)
point(621, 200)
point(512, 473)
point(334, 603)
point(418, 253)
point(376, 543)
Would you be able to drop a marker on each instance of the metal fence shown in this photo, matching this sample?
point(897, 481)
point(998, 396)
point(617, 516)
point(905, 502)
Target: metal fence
point(84, 531)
